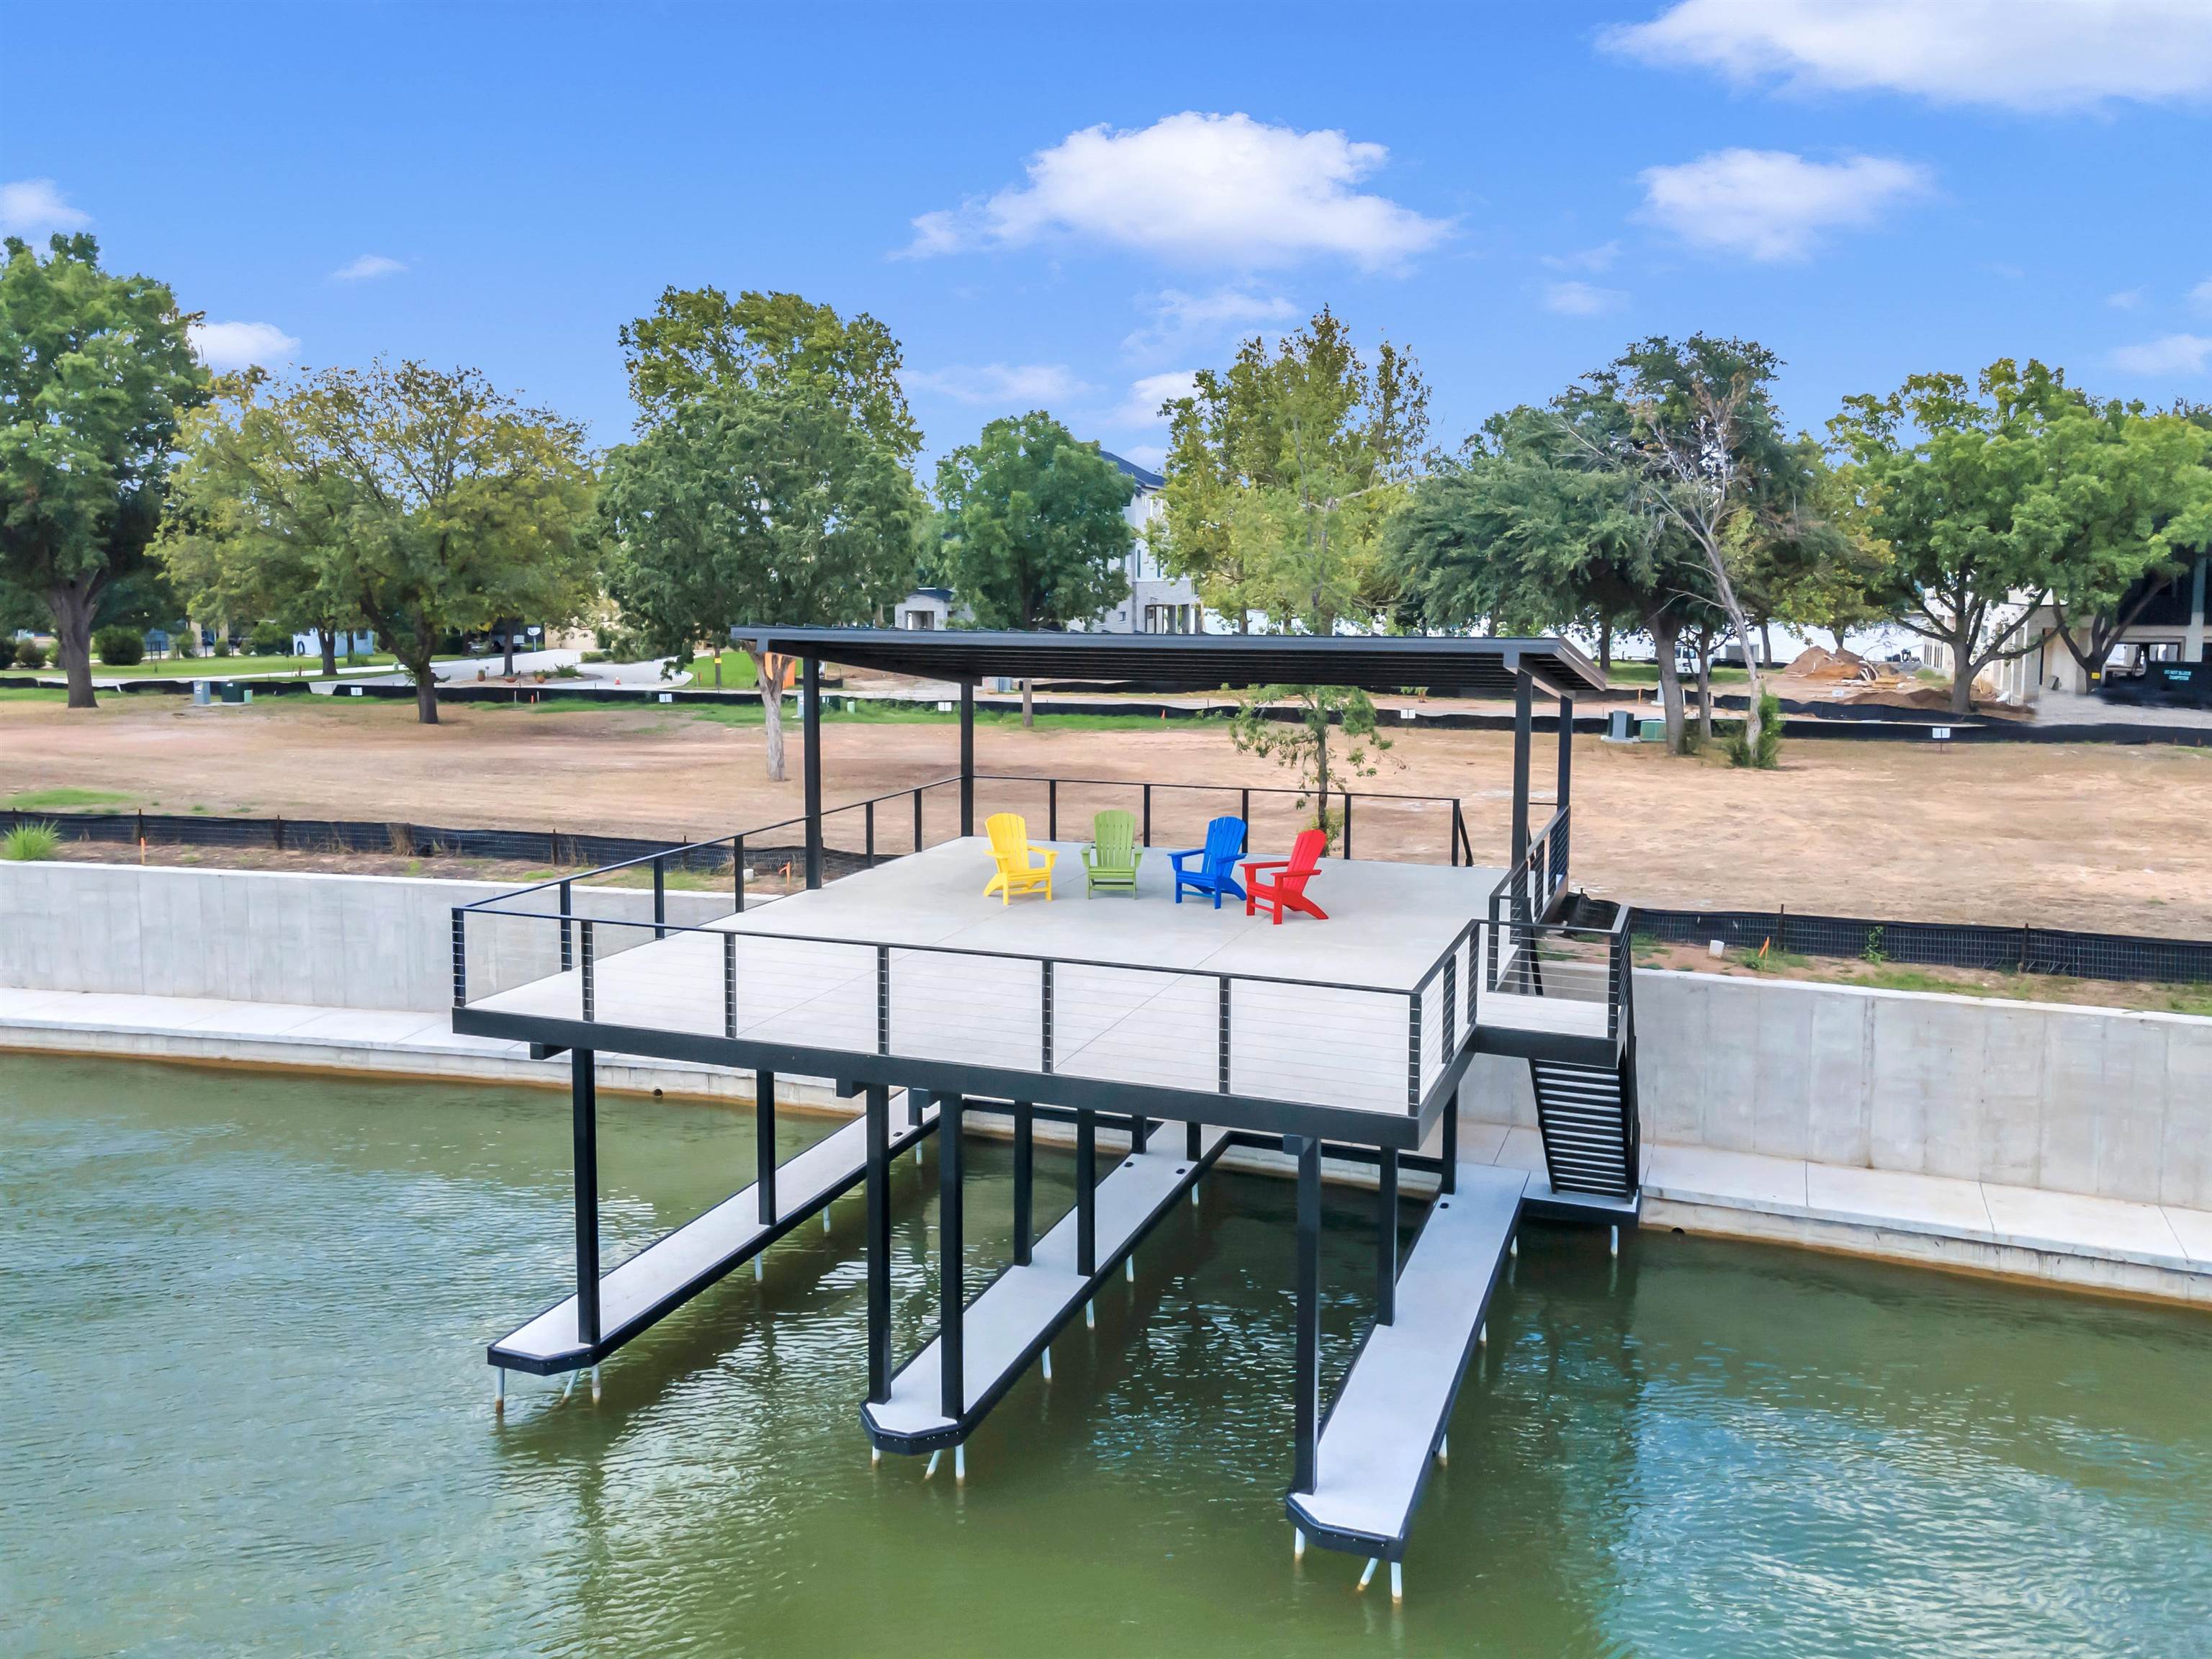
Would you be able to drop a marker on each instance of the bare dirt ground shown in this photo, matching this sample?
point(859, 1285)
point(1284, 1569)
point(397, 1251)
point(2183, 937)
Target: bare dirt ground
point(2092, 836)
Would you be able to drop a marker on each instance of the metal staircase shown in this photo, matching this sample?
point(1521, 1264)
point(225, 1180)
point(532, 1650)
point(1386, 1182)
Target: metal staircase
point(1587, 1116)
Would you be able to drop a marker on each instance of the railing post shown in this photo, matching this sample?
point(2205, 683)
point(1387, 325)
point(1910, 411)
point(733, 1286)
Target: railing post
point(1451, 1002)
point(1306, 1370)
point(583, 1106)
point(659, 895)
point(1052, 809)
point(737, 870)
point(952, 1287)
point(590, 1010)
point(1348, 823)
point(1413, 1051)
point(1148, 815)
point(811, 684)
point(869, 814)
point(1244, 811)
point(1221, 1060)
point(567, 940)
point(883, 999)
point(1566, 776)
point(917, 820)
point(1046, 1029)
point(730, 986)
point(460, 959)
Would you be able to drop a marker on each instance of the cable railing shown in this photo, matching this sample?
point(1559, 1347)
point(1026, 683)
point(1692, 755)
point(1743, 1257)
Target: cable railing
point(1272, 1036)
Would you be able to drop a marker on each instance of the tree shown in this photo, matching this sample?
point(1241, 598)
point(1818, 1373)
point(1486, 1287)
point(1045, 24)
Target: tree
point(258, 515)
point(1283, 471)
point(747, 505)
point(697, 339)
point(1958, 483)
point(2129, 500)
point(1032, 525)
point(1702, 444)
point(1528, 529)
point(424, 502)
point(95, 372)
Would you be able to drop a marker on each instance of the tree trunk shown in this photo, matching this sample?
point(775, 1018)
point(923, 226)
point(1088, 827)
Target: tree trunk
point(1666, 630)
point(72, 604)
point(1605, 646)
point(330, 638)
point(768, 672)
point(1765, 642)
point(1962, 682)
point(1028, 712)
point(1706, 683)
point(1839, 630)
point(506, 633)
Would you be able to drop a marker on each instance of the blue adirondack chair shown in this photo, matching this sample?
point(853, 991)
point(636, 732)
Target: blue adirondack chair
point(1217, 862)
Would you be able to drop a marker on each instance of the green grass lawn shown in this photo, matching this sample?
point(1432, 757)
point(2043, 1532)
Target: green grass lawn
point(1647, 673)
point(67, 797)
point(217, 668)
point(33, 693)
point(737, 673)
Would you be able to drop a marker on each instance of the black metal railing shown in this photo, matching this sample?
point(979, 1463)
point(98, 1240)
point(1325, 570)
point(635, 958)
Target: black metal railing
point(859, 991)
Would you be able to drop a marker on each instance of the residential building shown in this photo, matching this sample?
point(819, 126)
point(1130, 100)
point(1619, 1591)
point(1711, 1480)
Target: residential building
point(2167, 624)
point(1158, 603)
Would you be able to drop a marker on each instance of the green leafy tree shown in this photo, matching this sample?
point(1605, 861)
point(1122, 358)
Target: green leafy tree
point(1282, 472)
point(746, 505)
point(2129, 502)
point(1700, 439)
point(425, 503)
point(1961, 484)
point(1530, 528)
point(259, 514)
point(698, 339)
point(1034, 535)
point(96, 371)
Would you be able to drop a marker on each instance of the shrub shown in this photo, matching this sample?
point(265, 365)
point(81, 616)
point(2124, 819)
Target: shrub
point(29, 841)
point(223, 647)
point(119, 646)
point(6, 650)
point(1769, 752)
point(271, 639)
point(29, 654)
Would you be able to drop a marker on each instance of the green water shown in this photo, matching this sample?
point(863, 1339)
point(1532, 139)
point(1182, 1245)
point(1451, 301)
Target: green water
point(246, 1411)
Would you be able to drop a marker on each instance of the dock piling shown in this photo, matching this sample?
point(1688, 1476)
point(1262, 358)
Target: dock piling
point(1087, 1191)
point(1024, 1170)
point(595, 1385)
point(960, 1464)
point(499, 1394)
point(1367, 1577)
point(1397, 1582)
point(584, 1109)
point(1306, 1376)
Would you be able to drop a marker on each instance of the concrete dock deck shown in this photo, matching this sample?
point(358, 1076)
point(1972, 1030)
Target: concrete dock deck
point(1379, 1440)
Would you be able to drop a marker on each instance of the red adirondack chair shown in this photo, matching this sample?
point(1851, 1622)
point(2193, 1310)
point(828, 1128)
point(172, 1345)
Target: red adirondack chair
point(1287, 891)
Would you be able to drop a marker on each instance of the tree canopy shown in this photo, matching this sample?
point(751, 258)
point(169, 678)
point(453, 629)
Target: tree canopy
point(1034, 535)
point(423, 501)
point(96, 372)
point(696, 339)
point(744, 504)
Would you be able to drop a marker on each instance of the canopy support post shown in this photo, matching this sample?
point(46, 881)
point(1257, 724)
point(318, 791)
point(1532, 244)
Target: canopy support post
point(811, 691)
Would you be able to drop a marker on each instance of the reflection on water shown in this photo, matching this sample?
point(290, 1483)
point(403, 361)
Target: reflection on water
point(249, 1411)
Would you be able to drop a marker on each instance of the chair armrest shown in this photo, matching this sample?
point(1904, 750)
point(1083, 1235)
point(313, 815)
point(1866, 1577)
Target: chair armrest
point(1250, 865)
point(1051, 856)
point(1187, 853)
point(1089, 861)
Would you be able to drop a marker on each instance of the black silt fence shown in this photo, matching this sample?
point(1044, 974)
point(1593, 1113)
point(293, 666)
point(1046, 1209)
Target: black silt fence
point(2022, 949)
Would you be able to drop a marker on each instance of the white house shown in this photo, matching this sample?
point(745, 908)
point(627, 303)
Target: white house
point(2168, 625)
point(1158, 603)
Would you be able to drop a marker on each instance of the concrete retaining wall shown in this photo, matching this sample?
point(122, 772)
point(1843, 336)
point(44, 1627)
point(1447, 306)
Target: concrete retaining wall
point(2067, 1099)
point(262, 936)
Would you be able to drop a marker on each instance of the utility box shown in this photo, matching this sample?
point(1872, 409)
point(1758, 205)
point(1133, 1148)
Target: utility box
point(200, 697)
point(234, 692)
point(1652, 730)
point(1621, 725)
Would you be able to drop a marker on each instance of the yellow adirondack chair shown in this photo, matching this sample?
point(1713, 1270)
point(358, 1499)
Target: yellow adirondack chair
point(1018, 870)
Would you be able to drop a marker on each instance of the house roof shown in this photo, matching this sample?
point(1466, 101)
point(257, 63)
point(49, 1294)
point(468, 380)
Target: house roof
point(1199, 662)
point(1146, 480)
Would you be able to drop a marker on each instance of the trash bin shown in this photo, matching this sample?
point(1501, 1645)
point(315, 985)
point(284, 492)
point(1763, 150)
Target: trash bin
point(1621, 725)
point(234, 692)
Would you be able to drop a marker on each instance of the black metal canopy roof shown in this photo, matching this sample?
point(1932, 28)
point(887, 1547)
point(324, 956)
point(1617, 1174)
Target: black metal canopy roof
point(1199, 662)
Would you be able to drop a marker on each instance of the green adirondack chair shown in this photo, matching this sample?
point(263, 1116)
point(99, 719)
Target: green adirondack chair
point(1110, 860)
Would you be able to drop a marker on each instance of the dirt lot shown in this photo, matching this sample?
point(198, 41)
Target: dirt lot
point(2089, 836)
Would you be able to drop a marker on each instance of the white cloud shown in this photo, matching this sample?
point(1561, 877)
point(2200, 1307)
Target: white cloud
point(367, 268)
point(2044, 55)
point(1582, 299)
point(2125, 299)
point(1222, 188)
point(1142, 406)
point(31, 205)
point(1590, 258)
point(2201, 295)
point(1178, 317)
point(1031, 386)
point(1151, 457)
point(235, 345)
point(2174, 354)
point(1771, 203)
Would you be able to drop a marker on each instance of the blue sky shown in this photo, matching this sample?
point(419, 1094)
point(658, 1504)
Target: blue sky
point(1072, 207)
